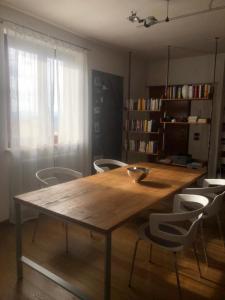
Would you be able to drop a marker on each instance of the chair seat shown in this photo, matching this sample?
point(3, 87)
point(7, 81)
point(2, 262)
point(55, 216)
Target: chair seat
point(105, 168)
point(145, 234)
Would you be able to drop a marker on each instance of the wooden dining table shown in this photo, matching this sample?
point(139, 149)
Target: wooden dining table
point(101, 203)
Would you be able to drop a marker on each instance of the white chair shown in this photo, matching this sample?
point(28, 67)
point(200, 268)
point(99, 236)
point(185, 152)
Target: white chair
point(209, 191)
point(103, 164)
point(55, 175)
point(52, 176)
point(216, 196)
point(209, 182)
point(173, 238)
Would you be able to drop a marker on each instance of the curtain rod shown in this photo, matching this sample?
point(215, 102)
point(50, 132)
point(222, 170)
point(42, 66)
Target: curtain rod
point(2, 20)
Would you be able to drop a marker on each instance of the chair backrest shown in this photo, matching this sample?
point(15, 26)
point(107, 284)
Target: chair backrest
point(102, 165)
point(185, 239)
point(56, 175)
point(213, 182)
point(188, 202)
point(210, 192)
point(215, 206)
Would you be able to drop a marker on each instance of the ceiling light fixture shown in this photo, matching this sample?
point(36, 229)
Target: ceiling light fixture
point(147, 22)
point(151, 20)
point(133, 17)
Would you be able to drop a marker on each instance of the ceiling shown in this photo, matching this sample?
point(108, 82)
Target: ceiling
point(106, 21)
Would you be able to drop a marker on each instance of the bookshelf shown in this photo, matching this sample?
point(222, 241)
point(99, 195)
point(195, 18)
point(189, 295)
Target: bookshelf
point(144, 153)
point(142, 129)
point(187, 99)
point(144, 111)
point(180, 120)
point(175, 113)
point(170, 117)
point(190, 91)
point(173, 109)
point(141, 132)
point(185, 123)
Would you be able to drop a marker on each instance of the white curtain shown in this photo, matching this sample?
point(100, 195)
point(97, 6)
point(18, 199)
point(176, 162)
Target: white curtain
point(48, 107)
point(4, 163)
point(71, 105)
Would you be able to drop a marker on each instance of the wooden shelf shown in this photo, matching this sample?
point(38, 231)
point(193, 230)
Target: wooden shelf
point(175, 136)
point(185, 123)
point(175, 123)
point(187, 99)
point(141, 132)
point(136, 110)
point(145, 153)
point(181, 84)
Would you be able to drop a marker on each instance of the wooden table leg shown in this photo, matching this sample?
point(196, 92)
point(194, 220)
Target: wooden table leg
point(107, 281)
point(18, 241)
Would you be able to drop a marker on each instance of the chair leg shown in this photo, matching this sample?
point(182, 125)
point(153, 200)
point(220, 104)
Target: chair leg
point(150, 253)
point(197, 259)
point(35, 228)
point(133, 261)
point(203, 243)
point(177, 275)
point(219, 223)
point(67, 240)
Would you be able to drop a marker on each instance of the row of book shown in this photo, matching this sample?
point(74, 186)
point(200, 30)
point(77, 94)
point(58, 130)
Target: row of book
point(143, 104)
point(150, 147)
point(196, 119)
point(193, 91)
point(142, 125)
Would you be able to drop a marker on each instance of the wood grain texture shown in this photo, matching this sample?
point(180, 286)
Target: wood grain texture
point(83, 266)
point(105, 201)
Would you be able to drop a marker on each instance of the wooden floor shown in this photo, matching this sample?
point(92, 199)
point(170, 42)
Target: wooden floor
point(84, 265)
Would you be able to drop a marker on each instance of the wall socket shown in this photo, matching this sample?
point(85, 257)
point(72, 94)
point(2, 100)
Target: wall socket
point(196, 136)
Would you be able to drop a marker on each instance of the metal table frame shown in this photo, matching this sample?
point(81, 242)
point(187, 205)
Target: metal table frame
point(20, 260)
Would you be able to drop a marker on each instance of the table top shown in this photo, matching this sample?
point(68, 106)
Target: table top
point(105, 201)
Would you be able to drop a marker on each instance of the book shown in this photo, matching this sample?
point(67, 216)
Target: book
point(192, 119)
point(206, 91)
point(200, 91)
point(203, 120)
point(149, 125)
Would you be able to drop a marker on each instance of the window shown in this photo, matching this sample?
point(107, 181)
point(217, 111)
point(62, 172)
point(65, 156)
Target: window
point(46, 109)
point(47, 94)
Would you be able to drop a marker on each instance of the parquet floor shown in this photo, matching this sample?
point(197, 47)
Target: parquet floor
point(84, 265)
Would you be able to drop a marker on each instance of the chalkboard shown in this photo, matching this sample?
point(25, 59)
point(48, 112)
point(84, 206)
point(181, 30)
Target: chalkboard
point(107, 114)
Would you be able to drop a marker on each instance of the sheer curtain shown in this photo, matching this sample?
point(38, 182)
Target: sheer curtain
point(47, 107)
point(71, 106)
point(4, 164)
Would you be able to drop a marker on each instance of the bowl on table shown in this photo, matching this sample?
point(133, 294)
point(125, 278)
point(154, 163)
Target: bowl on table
point(137, 173)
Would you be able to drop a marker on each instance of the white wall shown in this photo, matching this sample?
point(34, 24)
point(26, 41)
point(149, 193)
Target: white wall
point(139, 72)
point(198, 69)
point(100, 57)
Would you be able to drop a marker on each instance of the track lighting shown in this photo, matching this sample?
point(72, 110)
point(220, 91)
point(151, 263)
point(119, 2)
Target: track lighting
point(133, 17)
point(151, 20)
point(147, 22)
